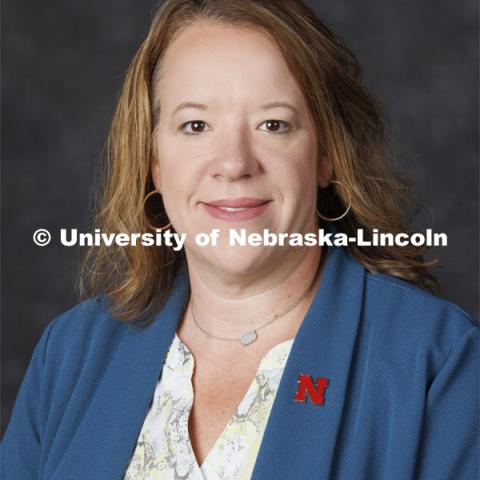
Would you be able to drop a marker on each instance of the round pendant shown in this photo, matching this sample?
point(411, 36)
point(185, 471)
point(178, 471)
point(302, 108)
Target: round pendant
point(248, 338)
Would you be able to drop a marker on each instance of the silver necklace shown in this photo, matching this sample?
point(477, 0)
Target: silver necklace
point(250, 336)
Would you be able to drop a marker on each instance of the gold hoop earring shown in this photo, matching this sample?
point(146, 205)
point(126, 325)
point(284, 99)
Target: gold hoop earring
point(153, 192)
point(333, 219)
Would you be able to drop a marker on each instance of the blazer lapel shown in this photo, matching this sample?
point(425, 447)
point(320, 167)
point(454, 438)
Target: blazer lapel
point(104, 441)
point(299, 440)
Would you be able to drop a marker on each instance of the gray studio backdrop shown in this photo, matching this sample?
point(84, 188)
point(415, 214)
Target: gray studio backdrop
point(63, 63)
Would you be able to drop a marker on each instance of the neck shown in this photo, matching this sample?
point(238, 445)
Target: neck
point(230, 309)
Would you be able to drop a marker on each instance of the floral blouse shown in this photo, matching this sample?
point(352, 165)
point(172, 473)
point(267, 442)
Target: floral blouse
point(163, 450)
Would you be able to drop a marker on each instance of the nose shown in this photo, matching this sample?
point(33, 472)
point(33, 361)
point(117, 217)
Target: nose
point(234, 158)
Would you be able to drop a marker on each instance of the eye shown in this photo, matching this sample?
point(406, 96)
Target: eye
point(193, 127)
point(275, 126)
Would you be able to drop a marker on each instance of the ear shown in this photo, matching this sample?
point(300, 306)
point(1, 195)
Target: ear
point(155, 171)
point(325, 172)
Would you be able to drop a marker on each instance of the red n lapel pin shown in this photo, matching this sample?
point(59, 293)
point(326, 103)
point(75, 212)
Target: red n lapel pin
point(316, 391)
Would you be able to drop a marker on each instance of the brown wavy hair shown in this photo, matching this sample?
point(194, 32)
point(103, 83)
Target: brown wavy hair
point(137, 279)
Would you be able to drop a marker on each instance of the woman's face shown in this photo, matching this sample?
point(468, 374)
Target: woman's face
point(236, 146)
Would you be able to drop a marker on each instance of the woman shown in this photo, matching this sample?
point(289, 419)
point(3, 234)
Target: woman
point(225, 362)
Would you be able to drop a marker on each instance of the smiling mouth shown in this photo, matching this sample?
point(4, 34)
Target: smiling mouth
point(236, 209)
point(237, 203)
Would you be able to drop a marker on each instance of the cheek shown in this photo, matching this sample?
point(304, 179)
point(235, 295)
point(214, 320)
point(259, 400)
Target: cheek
point(295, 169)
point(179, 174)
point(173, 165)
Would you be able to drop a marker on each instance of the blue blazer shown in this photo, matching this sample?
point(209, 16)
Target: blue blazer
point(401, 403)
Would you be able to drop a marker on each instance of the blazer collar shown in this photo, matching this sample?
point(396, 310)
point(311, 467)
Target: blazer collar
point(322, 348)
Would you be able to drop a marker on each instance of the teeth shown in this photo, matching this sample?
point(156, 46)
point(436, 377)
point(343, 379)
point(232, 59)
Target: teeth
point(232, 209)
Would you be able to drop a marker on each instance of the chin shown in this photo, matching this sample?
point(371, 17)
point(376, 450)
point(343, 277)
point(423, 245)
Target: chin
point(237, 261)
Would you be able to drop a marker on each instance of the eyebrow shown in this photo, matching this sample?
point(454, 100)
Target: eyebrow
point(201, 106)
point(279, 104)
point(198, 106)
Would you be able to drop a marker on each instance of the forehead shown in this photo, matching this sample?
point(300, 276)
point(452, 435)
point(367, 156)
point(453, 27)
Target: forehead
point(210, 60)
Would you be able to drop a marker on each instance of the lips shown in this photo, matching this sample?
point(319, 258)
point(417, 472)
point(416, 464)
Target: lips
point(236, 209)
point(244, 202)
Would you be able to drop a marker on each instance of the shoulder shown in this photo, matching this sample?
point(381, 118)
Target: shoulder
point(80, 333)
point(92, 316)
point(408, 320)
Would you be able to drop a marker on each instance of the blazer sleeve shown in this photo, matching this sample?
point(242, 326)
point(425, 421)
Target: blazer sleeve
point(21, 443)
point(449, 447)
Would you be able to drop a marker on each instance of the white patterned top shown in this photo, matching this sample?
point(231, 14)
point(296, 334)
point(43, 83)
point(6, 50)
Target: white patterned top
point(163, 450)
